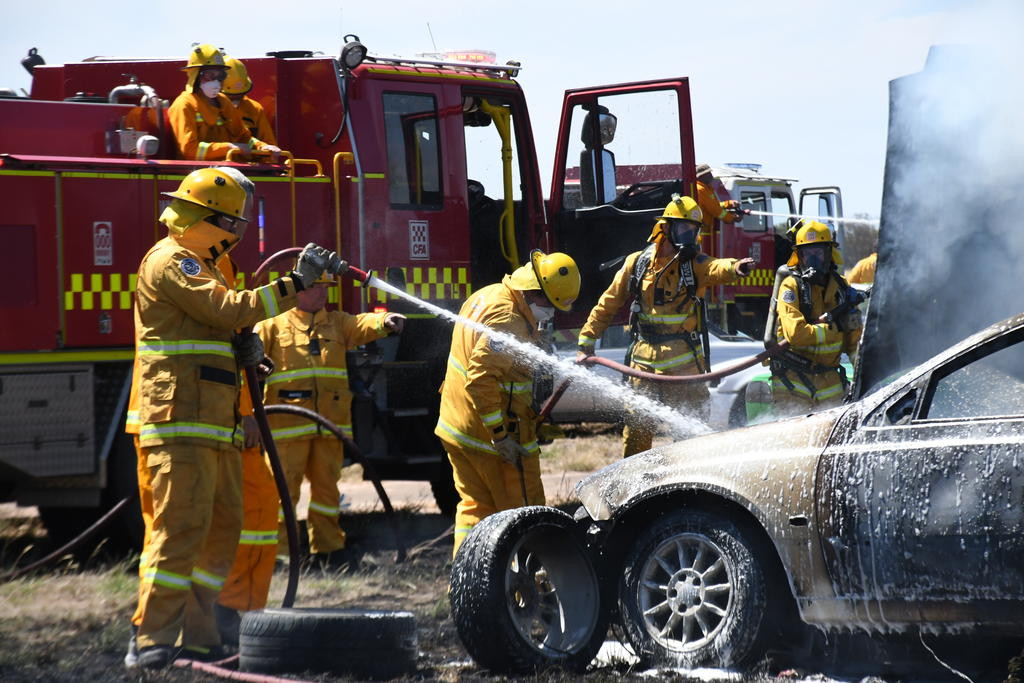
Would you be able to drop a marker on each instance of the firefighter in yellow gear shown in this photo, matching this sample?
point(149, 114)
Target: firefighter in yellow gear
point(810, 377)
point(727, 211)
point(863, 273)
point(665, 281)
point(307, 346)
point(206, 124)
point(184, 408)
point(487, 422)
point(237, 85)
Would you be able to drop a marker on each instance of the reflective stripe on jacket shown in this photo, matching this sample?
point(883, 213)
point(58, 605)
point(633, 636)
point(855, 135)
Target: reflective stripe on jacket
point(203, 131)
point(821, 343)
point(487, 391)
point(185, 383)
point(677, 315)
point(317, 381)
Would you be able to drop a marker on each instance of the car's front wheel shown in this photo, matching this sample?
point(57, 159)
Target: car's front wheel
point(693, 593)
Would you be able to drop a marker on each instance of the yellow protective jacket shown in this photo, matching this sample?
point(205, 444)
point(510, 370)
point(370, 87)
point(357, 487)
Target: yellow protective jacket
point(864, 272)
point(710, 207)
point(255, 119)
point(487, 392)
point(821, 343)
point(204, 131)
point(676, 316)
point(317, 381)
point(185, 384)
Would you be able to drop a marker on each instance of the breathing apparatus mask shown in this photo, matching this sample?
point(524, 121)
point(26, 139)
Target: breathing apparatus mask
point(683, 236)
point(815, 261)
point(542, 313)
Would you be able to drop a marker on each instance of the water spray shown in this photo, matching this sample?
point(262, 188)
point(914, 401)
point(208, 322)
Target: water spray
point(821, 219)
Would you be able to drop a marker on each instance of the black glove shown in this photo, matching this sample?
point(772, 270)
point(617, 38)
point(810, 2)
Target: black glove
point(248, 349)
point(315, 260)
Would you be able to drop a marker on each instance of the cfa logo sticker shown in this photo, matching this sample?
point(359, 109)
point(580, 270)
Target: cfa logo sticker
point(190, 267)
point(102, 243)
point(789, 296)
point(419, 240)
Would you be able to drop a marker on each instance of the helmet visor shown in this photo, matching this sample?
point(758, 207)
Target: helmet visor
point(682, 233)
point(816, 256)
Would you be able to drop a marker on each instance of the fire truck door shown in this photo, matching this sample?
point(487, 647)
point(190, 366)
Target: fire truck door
point(826, 202)
point(623, 150)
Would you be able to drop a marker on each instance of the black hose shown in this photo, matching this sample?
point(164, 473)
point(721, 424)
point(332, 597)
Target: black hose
point(357, 455)
point(73, 543)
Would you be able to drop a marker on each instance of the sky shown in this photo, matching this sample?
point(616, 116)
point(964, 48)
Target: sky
point(800, 86)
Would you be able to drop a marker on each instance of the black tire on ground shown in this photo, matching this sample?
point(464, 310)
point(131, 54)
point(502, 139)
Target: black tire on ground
point(443, 488)
point(693, 594)
point(358, 643)
point(524, 593)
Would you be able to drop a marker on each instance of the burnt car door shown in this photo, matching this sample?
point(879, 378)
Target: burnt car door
point(923, 500)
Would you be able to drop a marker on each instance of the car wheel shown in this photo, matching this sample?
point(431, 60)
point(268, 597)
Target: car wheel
point(364, 644)
point(443, 487)
point(693, 593)
point(525, 595)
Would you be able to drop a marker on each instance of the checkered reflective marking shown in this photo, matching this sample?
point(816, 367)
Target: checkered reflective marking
point(113, 291)
point(434, 283)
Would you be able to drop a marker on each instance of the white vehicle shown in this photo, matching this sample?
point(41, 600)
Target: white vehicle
point(728, 408)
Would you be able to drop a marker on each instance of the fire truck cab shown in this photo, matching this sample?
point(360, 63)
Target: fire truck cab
point(424, 172)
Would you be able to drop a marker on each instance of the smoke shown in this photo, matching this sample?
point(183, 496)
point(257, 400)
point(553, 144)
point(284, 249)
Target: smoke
point(951, 244)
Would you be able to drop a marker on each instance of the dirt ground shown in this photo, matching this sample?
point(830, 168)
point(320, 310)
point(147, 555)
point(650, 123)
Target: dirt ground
point(69, 622)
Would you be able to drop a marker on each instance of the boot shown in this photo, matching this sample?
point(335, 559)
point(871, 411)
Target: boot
point(228, 623)
point(157, 656)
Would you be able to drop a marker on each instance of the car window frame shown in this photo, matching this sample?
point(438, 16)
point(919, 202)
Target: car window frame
point(987, 348)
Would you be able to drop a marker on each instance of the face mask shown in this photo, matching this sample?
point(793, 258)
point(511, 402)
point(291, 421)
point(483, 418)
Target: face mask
point(815, 258)
point(542, 313)
point(211, 88)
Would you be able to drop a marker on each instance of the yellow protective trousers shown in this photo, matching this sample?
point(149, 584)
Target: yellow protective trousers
point(690, 399)
point(319, 460)
point(487, 484)
point(196, 520)
point(248, 583)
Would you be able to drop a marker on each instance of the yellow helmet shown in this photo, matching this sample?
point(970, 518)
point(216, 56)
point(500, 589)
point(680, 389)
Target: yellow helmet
point(238, 81)
point(559, 277)
point(556, 274)
point(814, 232)
point(212, 189)
point(680, 208)
point(205, 55)
point(200, 56)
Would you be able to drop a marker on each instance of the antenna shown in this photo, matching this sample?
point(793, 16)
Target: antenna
point(431, 33)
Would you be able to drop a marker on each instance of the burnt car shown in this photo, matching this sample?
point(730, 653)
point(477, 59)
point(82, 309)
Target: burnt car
point(901, 511)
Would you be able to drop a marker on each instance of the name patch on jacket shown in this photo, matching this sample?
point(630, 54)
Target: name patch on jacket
point(190, 267)
point(218, 375)
point(294, 393)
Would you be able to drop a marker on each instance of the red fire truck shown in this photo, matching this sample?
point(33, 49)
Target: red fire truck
point(422, 171)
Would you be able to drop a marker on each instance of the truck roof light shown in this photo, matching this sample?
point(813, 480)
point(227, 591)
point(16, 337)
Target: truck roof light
point(354, 52)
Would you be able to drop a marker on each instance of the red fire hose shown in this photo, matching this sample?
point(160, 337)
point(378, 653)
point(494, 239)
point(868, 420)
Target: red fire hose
point(549, 405)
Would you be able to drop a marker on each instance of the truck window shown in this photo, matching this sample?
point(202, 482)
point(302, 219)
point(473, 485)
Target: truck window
point(414, 154)
point(755, 202)
point(615, 149)
point(782, 203)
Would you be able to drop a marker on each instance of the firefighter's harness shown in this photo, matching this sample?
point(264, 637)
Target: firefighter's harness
point(801, 366)
point(648, 333)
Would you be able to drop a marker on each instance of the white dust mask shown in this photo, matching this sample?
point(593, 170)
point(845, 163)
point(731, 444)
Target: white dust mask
point(211, 88)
